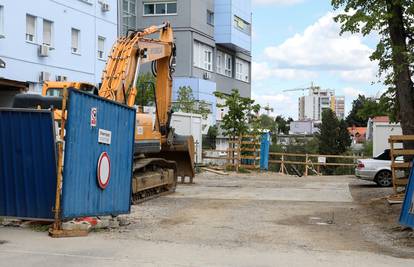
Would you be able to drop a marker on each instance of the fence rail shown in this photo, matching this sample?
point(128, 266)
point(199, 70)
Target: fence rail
point(308, 161)
point(242, 152)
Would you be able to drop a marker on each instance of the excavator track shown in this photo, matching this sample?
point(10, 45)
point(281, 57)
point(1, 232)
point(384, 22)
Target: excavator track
point(153, 177)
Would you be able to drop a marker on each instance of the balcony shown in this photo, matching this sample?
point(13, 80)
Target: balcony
point(233, 24)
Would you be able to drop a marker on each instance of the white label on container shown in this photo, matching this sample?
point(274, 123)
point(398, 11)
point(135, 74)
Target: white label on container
point(104, 136)
point(140, 130)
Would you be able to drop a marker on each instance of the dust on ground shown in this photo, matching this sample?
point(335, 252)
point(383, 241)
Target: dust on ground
point(238, 211)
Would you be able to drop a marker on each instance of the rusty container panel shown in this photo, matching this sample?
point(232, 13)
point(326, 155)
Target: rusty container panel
point(27, 163)
point(96, 126)
point(407, 211)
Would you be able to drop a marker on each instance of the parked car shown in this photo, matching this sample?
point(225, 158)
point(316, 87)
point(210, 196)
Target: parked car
point(377, 169)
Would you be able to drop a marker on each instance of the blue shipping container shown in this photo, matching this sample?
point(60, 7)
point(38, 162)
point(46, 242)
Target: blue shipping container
point(27, 163)
point(407, 211)
point(94, 126)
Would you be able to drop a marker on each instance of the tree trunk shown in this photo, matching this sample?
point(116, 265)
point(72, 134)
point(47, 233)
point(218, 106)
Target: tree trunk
point(402, 73)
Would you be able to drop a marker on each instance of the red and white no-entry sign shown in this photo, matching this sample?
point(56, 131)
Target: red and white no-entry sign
point(103, 170)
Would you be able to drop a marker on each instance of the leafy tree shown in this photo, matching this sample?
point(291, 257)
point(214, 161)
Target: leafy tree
point(209, 140)
point(202, 108)
point(268, 123)
point(394, 21)
point(283, 124)
point(240, 110)
point(333, 137)
point(344, 140)
point(185, 100)
point(188, 104)
point(145, 90)
point(364, 108)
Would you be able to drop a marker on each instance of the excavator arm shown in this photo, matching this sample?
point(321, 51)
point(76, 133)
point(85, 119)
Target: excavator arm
point(119, 79)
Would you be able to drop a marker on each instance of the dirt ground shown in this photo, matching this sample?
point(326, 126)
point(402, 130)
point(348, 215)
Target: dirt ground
point(256, 219)
point(239, 210)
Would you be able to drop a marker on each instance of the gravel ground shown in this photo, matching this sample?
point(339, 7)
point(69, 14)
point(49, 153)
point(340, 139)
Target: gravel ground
point(223, 211)
point(256, 219)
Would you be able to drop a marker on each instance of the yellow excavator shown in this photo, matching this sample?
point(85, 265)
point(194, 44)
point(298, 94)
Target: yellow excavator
point(160, 155)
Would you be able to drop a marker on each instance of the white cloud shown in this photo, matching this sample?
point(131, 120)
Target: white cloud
point(277, 2)
point(262, 71)
point(352, 92)
point(282, 104)
point(321, 48)
point(366, 75)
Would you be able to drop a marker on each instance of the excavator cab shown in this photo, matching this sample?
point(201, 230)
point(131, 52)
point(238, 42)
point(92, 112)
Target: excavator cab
point(55, 89)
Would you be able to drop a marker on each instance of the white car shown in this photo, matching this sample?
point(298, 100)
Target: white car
point(377, 169)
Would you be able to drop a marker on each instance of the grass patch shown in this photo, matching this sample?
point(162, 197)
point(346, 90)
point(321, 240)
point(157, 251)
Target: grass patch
point(243, 170)
point(40, 227)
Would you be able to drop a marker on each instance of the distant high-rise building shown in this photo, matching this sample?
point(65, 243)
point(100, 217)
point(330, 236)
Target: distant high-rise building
point(312, 105)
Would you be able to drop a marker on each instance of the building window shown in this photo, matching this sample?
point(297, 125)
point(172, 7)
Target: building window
point(75, 41)
point(1, 21)
point(203, 56)
point(47, 32)
point(242, 25)
point(210, 17)
point(101, 47)
point(242, 70)
point(228, 70)
point(224, 64)
point(30, 28)
point(129, 17)
point(160, 8)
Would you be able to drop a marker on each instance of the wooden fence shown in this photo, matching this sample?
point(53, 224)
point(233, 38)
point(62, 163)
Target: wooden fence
point(312, 163)
point(400, 169)
point(242, 152)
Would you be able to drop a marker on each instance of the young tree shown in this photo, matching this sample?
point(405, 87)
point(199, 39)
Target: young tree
point(145, 90)
point(236, 122)
point(268, 123)
point(394, 21)
point(333, 136)
point(188, 104)
point(185, 100)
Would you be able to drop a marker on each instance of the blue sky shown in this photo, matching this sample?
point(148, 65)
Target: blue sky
point(296, 42)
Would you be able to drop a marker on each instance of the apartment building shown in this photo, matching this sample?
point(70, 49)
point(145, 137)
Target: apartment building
point(54, 40)
point(312, 105)
point(213, 40)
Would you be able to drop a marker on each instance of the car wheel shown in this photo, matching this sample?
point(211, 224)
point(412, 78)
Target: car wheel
point(384, 179)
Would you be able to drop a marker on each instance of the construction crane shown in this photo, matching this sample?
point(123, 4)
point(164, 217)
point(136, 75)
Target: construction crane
point(311, 88)
point(160, 155)
point(268, 109)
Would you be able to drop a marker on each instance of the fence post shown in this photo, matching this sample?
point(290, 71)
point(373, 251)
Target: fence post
point(306, 165)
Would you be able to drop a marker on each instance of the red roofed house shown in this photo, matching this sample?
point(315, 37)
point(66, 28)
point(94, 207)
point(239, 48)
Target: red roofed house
point(358, 134)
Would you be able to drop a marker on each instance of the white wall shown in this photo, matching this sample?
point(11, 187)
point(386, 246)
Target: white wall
point(381, 133)
point(189, 124)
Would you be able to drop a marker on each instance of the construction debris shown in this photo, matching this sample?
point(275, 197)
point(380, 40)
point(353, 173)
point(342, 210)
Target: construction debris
point(214, 171)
